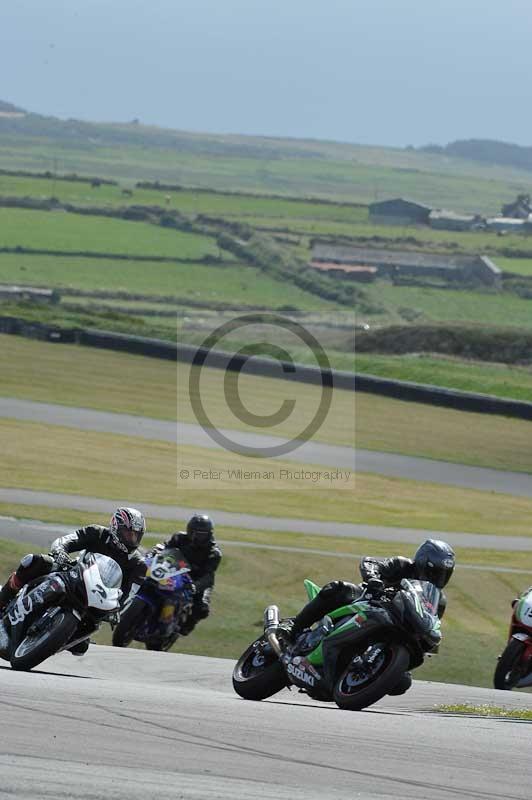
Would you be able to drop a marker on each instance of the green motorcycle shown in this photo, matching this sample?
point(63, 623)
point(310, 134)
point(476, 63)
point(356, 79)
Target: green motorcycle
point(354, 656)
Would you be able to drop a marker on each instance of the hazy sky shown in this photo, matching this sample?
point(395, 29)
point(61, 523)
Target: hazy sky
point(391, 72)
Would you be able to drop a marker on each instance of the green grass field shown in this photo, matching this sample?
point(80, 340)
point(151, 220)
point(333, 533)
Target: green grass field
point(406, 304)
point(496, 379)
point(270, 213)
point(60, 231)
point(274, 166)
point(188, 202)
point(521, 266)
point(235, 283)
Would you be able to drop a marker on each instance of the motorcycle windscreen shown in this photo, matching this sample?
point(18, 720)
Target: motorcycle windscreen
point(102, 577)
point(420, 603)
point(110, 572)
point(167, 565)
point(523, 609)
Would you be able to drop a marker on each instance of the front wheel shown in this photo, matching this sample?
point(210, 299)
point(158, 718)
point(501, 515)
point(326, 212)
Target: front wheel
point(258, 672)
point(44, 638)
point(510, 670)
point(370, 675)
point(130, 620)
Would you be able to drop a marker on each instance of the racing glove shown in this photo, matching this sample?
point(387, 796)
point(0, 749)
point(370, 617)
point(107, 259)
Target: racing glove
point(375, 588)
point(62, 560)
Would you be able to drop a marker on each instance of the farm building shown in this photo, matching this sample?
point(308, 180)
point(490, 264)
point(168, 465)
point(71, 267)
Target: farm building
point(519, 209)
point(354, 272)
point(399, 212)
point(335, 259)
point(505, 224)
point(450, 221)
point(17, 293)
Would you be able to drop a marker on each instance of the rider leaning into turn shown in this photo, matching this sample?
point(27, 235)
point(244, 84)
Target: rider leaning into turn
point(199, 547)
point(119, 541)
point(433, 561)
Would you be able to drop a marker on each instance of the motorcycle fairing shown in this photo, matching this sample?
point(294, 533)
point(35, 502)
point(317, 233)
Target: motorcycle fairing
point(28, 604)
point(366, 622)
point(312, 588)
point(98, 574)
point(349, 617)
point(523, 610)
point(169, 570)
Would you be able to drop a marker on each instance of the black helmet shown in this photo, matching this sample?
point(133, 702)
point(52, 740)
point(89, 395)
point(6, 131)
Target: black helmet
point(434, 562)
point(200, 530)
point(128, 526)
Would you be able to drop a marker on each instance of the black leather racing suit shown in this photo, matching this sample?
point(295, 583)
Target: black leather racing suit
point(337, 593)
point(94, 538)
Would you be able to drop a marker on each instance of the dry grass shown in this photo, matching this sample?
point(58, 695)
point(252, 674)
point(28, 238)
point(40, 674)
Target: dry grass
point(57, 459)
point(134, 384)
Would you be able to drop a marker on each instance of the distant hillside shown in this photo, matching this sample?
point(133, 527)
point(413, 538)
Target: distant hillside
point(487, 151)
point(10, 108)
point(73, 132)
point(134, 151)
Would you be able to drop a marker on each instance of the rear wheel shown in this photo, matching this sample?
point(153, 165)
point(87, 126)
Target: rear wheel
point(130, 620)
point(510, 669)
point(371, 675)
point(258, 673)
point(44, 638)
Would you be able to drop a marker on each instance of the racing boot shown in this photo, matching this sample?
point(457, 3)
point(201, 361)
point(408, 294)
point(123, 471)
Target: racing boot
point(187, 626)
point(79, 649)
point(402, 686)
point(8, 591)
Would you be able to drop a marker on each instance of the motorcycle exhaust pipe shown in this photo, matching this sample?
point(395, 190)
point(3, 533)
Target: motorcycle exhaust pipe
point(271, 626)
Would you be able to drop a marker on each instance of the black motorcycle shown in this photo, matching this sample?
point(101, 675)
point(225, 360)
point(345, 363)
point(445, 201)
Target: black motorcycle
point(354, 656)
point(60, 610)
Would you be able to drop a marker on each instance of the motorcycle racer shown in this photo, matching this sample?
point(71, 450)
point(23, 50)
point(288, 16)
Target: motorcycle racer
point(120, 541)
point(199, 547)
point(433, 561)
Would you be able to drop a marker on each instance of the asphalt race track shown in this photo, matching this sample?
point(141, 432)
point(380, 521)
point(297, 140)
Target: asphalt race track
point(131, 725)
point(391, 464)
point(134, 725)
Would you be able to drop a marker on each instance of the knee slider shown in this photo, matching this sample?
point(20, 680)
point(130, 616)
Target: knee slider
point(33, 565)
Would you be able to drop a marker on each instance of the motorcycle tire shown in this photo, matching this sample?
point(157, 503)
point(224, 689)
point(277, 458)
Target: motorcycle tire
point(256, 677)
point(346, 695)
point(33, 650)
point(507, 673)
point(164, 644)
point(130, 619)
